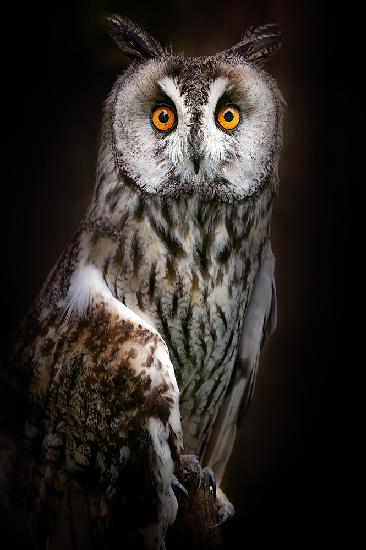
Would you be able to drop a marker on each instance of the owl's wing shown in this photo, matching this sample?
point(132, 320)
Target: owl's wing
point(260, 322)
point(102, 425)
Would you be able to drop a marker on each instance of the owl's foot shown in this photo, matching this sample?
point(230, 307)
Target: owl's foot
point(178, 487)
point(194, 476)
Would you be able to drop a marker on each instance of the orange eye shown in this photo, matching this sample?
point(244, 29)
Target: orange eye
point(228, 117)
point(163, 118)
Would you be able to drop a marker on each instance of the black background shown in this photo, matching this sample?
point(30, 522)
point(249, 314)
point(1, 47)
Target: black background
point(295, 473)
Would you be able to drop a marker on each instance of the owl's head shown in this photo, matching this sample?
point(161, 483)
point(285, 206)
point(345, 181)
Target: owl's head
point(206, 125)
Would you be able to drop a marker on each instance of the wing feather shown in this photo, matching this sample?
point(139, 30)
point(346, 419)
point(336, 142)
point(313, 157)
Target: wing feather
point(260, 322)
point(102, 420)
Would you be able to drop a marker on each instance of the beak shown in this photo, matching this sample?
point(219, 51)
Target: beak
point(196, 163)
point(195, 141)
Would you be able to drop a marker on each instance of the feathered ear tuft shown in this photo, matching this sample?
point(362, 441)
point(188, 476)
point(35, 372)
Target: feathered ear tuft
point(258, 44)
point(132, 39)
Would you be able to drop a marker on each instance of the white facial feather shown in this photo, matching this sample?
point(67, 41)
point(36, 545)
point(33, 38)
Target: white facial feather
point(233, 164)
point(176, 143)
point(216, 145)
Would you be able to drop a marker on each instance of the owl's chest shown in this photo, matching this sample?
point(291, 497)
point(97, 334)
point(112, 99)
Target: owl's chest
point(197, 309)
point(190, 271)
point(200, 319)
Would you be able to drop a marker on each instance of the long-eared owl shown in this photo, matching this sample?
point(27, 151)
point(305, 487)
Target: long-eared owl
point(143, 344)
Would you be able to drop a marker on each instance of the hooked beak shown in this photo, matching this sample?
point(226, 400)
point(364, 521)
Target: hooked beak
point(196, 159)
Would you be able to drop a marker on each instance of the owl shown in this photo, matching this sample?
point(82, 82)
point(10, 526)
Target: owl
point(142, 348)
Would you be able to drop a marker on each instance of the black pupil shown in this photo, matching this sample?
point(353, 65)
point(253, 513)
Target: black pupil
point(164, 117)
point(229, 116)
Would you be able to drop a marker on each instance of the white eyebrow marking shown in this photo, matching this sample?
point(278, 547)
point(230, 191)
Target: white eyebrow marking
point(170, 88)
point(216, 90)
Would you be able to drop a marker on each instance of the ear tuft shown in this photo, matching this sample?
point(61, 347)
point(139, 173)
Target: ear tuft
point(134, 41)
point(258, 44)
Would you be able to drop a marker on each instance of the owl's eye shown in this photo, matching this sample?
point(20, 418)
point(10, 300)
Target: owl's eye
point(228, 117)
point(163, 118)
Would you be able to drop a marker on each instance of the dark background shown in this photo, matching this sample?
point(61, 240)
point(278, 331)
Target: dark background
point(294, 476)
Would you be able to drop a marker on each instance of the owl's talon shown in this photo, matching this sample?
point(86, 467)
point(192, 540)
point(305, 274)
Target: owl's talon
point(177, 487)
point(211, 479)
